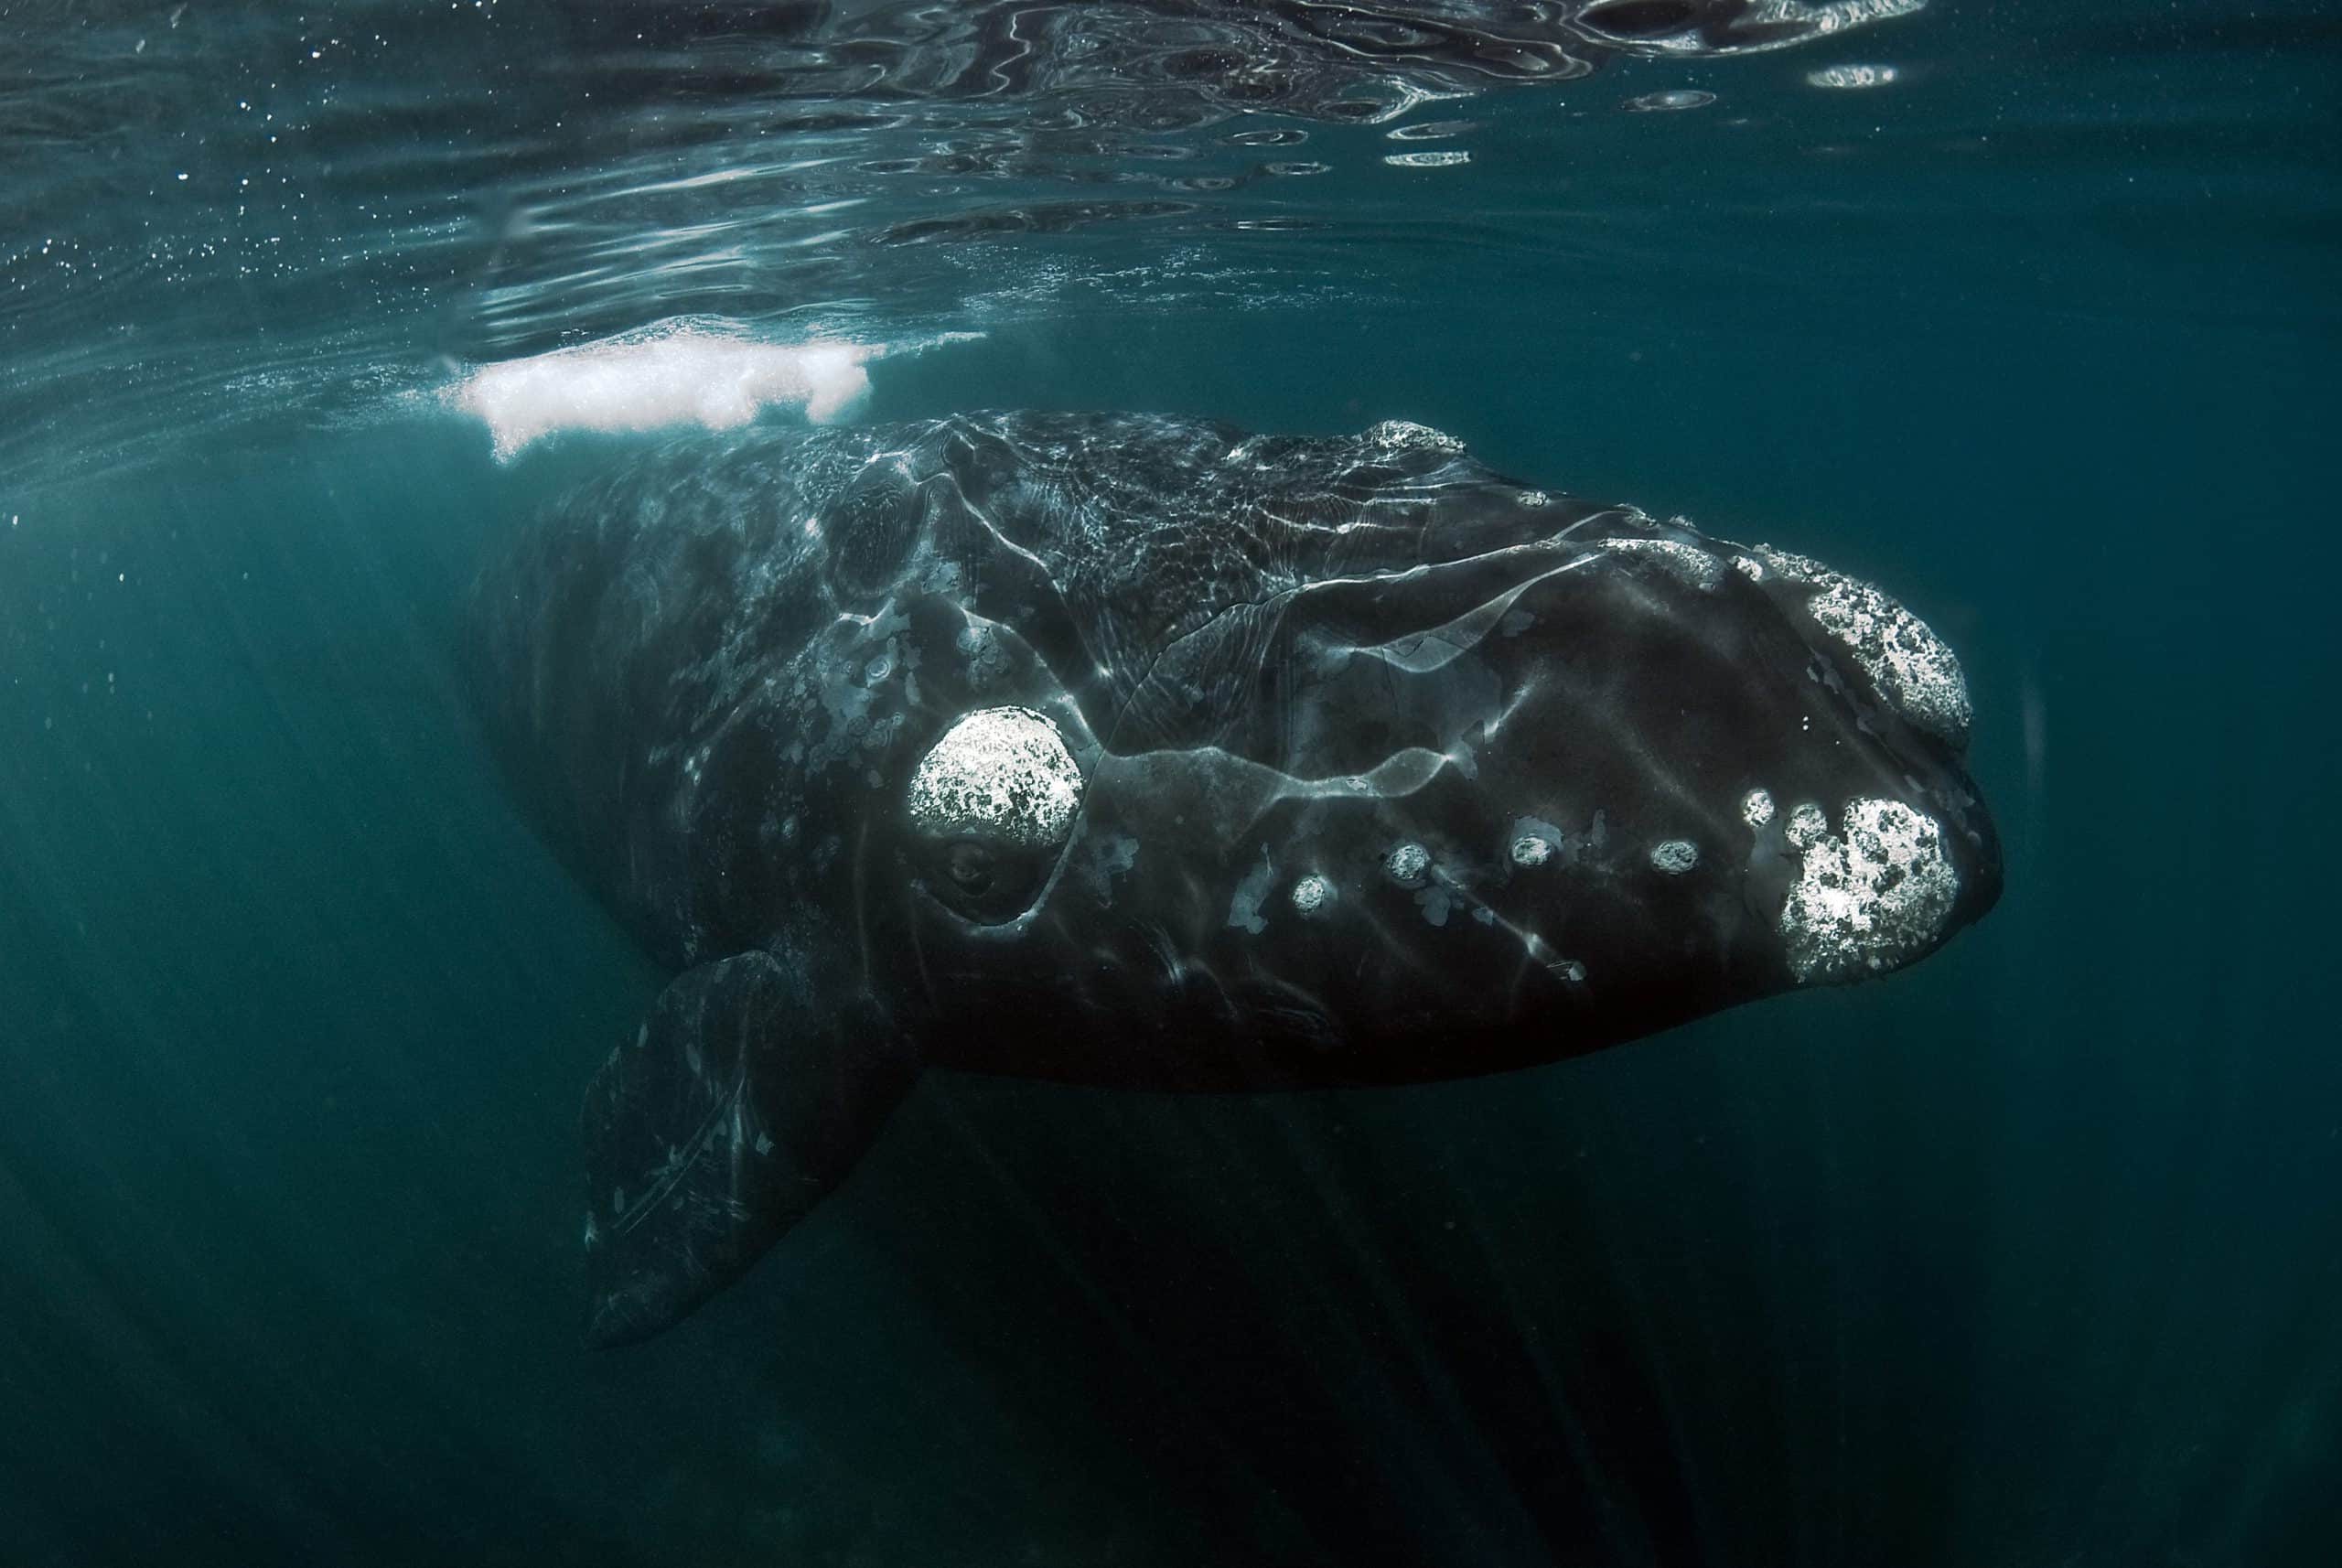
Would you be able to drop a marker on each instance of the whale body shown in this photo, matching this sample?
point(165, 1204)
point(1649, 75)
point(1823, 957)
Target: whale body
point(1131, 750)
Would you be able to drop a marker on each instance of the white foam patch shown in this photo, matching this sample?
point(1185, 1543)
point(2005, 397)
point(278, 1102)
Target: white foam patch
point(674, 374)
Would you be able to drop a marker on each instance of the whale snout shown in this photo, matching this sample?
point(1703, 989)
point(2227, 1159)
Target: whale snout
point(1639, 794)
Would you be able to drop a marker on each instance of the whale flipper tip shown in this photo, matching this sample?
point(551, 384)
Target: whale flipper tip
point(741, 1102)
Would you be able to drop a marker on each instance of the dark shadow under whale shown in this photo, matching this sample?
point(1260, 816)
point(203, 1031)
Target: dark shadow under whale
point(1142, 751)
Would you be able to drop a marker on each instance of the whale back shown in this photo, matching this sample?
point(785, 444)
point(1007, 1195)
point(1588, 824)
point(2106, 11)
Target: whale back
point(638, 616)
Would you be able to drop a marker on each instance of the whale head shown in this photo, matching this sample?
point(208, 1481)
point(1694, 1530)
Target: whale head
point(1448, 818)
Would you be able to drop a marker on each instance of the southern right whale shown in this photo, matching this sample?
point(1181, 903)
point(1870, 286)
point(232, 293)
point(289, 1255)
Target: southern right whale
point(1143, 751)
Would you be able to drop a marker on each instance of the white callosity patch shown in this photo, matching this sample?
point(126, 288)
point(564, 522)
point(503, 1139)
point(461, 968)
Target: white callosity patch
point(1407, 863)
point(1687, 563)
point(1806, 825)
point(999, 772)
point(1757, 807)
point(1869, 897)
point(1393, 433)
point(1531, 849)
point(1311, 894)
point(1914, 669)
point(1795, 567)
point(1674, 857)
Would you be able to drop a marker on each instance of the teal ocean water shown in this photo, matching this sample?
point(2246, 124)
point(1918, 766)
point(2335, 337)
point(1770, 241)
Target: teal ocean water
point(2029, 1255)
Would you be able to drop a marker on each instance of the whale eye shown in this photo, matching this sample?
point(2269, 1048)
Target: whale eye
point(984, 880)
point(990, 804)
point(972, 866)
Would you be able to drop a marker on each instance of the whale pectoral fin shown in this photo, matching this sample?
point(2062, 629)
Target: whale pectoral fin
point(746, 1096)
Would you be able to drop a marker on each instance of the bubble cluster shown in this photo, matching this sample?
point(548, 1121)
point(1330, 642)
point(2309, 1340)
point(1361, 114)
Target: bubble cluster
point(1848, 78)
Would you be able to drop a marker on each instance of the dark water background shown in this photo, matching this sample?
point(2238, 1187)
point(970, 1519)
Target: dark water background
point(2031, 1255)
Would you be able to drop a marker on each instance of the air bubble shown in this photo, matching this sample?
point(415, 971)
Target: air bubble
point(1666, 103)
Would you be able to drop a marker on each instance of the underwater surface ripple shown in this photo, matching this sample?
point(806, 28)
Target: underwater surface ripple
point(279, 216)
